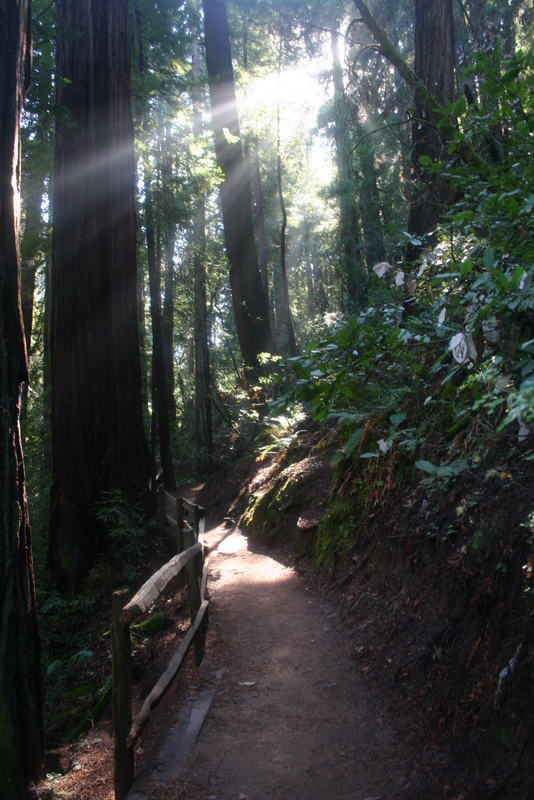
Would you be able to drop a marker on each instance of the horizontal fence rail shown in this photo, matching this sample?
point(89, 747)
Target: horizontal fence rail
point(189, 524)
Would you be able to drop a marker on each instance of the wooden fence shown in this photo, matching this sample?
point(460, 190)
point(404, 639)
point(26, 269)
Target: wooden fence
point(189, 522)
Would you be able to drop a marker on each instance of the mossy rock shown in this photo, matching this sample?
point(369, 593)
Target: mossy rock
point(273, 510)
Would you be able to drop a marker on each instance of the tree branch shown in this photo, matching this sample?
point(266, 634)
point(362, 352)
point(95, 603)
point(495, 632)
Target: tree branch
point(428, 101)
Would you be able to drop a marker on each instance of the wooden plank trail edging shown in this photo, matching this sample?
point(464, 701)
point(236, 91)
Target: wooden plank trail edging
point(166, 679)
point(151, 590)
point(123, 613)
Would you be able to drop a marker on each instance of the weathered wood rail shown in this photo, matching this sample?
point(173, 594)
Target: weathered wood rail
point(189, 522)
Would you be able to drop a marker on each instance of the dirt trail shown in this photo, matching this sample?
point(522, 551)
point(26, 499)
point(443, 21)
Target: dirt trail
point(289, 716)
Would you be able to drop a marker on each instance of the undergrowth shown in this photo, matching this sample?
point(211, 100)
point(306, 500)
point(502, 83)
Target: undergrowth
point(75, 652)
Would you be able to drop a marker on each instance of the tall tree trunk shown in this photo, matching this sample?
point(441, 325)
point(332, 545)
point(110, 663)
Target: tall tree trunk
point(160, 408)
point(434, 67)
point(142, 325)
point(47, 377)
point(29, 246)
point(373, 235)
point(260, 223)
point(21, 701)
point(169, 240)
point(204, 435)
point(309, 270)
point(353, 273)
point(97, 423)
point(432, 81)
point(306, 241)
point(250, 307)
point(168, 322)
point(286, 318)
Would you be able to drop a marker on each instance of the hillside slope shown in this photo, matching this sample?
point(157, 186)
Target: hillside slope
point(431, 575)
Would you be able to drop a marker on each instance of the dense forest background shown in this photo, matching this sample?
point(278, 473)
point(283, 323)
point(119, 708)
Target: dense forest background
point(238, 216)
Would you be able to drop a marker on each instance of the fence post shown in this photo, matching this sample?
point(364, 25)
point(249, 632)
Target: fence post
point(123, 771)
point(200, 639)
point(194, 577)
point(180, 524)
point(161, 505)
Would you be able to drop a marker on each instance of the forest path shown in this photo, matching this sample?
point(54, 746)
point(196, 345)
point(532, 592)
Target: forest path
point(289, 716)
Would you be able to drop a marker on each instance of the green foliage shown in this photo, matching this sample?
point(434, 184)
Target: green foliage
point(282, 430)
point(151, 625)
point(127, 540)
point(454, 337)
point(336, 534)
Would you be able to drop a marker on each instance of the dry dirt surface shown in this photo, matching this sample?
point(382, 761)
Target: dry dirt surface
point(289, 717)
point(285, 710)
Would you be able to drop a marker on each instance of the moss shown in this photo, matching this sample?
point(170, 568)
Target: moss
point(337, 533)
point(262, 515)
point(271, 512)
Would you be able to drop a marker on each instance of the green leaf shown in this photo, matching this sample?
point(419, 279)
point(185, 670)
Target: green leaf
point(466, 267)
point(345, 389)
point(353, 442)
point(527, 368)
point(426, 466)
point(443, 276)
point(301, 372)
point(460, 107)
point(488, 259)
point(516, 277)
point(511, 74)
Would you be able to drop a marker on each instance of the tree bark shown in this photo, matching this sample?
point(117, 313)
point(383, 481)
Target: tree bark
point(160, 395)
point(432, 81)
point(97, 425)
point(434, 66)
point(158, 363)
point(29, 246)
point(373, 236)
point(260, 223)
point(169, 239)
point(204, 436)
point(352, 267)
point(21, 701)
point(250, 308)
point(286, 318)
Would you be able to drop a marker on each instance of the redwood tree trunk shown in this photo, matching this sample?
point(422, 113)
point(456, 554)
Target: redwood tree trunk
point(204, 437)
point(21, 702)
point(98, 439)
point(370, 206)
point(31, 240)
point(434, 66)
point(352, 268)
point(286, 317)
point(169, 239)
point(160, 408)
point(260, 223)
point(250, 307)
point(160, 396)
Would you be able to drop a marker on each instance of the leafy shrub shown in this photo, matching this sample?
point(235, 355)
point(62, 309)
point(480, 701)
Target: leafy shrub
point(453, 336)
point(125, 531)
